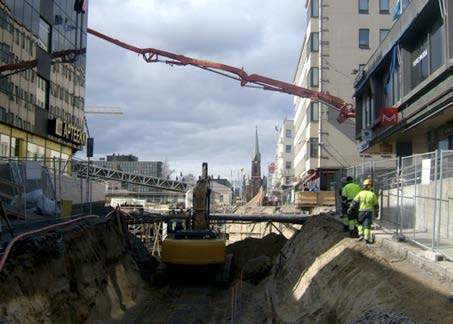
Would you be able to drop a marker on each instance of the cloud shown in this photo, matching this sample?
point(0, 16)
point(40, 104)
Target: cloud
point(184, 114)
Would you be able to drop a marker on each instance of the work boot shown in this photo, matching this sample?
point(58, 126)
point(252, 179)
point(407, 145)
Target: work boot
point(360, 239)
point(345, 228)
point(368, 242)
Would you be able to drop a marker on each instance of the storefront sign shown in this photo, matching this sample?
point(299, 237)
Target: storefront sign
point(66, 131)
point(389, 116)
point(426, 171)
point(367, 135)
point(420, 57)
point(363, 145)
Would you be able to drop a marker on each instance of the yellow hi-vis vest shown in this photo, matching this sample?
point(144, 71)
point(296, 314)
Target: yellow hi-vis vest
point(367, 200)
point(350, 191)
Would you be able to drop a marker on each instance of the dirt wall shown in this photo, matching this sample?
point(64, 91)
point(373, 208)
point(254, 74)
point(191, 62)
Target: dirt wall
point(81, 273)
point(325, 277)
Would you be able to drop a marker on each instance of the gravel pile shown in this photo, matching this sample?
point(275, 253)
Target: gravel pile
point(382, 317)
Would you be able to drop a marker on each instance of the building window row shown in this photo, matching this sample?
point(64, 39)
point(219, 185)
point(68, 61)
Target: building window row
point(17, 93)
point(67, 72)
point(364, 7)
point(61, 113)
point(61, 93)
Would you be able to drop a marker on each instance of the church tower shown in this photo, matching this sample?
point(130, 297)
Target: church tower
point(255, 181)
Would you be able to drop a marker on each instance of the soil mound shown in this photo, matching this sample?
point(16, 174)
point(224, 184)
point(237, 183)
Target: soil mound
point(84, 272)
point(251, 248)
point(324, 277)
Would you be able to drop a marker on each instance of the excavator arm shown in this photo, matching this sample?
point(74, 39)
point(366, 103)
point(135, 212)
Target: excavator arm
point(152, 55)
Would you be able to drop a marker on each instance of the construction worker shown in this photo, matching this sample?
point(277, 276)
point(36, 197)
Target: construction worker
point(348, 193)
point(366, 203)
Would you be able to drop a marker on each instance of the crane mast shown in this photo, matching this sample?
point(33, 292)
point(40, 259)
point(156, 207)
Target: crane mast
point(152, 55)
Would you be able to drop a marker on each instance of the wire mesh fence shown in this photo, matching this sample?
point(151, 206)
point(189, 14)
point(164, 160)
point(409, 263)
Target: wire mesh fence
point(414, 196)
point(37, 189)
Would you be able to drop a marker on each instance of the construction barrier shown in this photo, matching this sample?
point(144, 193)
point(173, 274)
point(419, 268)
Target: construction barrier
point(315, 198)
point(66, 208)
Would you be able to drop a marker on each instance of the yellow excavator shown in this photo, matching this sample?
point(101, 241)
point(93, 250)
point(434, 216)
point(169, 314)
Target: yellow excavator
point(198, 244)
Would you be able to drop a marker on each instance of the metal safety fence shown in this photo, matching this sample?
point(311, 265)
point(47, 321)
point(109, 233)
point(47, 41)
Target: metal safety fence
point(414, 197)
point(41, 188)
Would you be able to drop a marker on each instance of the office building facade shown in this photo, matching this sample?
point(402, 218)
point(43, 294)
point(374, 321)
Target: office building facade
point(42, 78)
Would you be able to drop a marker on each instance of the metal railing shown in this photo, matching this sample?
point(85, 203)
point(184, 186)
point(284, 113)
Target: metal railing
point(414, 197)
point(35, 189)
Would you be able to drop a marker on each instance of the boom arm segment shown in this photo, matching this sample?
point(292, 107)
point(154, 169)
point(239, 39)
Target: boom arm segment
point(66, 56)
point(152, 55)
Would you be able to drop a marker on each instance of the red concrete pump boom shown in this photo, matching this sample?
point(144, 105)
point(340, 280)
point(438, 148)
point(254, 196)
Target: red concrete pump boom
point(152, 55)
point(65, 56)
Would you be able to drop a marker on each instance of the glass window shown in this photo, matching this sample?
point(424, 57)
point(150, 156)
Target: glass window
point(314, 8)
point(384, 7)
point(288, 148)
point(382, 34)
point(314, 111)
point(314, 77)
point(314, 42)
point(436, 46)
point(367, 111)
point(42, 93)
point(288, 133)
point(364, 6)
point(4, 145)
point(14, 147)
point(44, 35)
point(314, 148)
point(364, 38)
point(420, 66)
point(288, 165)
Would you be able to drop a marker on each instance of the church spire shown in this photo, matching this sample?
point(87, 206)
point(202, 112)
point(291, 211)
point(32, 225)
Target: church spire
point(256, 150)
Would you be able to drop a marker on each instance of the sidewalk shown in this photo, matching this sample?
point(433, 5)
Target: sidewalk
point(424, 259)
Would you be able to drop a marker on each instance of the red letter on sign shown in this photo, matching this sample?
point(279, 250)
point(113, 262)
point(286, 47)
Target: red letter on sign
point(389, 116)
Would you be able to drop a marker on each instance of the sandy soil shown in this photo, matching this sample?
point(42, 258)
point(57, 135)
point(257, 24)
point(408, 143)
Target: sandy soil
point(92, 275)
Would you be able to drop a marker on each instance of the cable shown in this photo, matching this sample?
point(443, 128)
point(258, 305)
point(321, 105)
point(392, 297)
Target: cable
point(338, 71)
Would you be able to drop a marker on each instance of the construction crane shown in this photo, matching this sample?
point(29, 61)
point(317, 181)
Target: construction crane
point(152, 55)
point(103, 110)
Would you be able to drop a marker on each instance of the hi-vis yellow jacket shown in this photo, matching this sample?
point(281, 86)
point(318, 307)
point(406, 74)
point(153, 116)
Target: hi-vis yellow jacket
point(350, 191)
point(366, 200)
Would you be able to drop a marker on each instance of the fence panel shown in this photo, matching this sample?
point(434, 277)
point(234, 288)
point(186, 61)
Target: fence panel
point(419, 187)
point(444, 230)
point(385, 184)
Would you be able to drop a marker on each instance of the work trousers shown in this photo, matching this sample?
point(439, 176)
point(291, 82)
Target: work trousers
point(364, 221)
point(349, 219)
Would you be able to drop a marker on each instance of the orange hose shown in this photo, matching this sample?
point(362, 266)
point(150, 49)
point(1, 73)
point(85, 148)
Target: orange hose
point(17, 238)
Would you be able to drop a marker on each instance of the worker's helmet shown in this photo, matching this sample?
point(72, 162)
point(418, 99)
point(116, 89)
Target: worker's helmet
point(367, 182)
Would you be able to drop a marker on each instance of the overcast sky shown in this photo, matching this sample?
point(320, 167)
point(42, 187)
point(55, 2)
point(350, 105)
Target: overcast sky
point(187, 115)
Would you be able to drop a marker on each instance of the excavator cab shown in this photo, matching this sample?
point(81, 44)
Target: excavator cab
point(198, 244)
